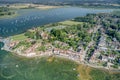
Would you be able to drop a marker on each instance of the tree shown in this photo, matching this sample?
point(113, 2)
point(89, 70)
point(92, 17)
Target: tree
point(30, 34)
point(59, 34)
point(38, 35)
point(117, 35)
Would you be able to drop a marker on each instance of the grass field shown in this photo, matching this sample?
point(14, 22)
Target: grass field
point(19, 37)
point(70, 23)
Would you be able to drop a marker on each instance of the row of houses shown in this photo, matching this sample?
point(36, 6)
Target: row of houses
point(98, 57)
point(70, 54)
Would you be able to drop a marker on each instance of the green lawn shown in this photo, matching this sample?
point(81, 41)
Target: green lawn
point(70, 23)
point(19, 37)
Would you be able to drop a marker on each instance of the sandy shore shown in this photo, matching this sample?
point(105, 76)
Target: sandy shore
point(26, 6)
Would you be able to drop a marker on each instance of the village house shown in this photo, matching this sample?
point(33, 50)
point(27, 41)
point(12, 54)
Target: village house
point(94, 58)
point(31, 49)
point(114, 44)
point(44, 35)
point(13, 44)
point(111, 57)
point(62, 51)
point(71, 36)
point(102, 41)
point(56, 51)
point(61, 43)
point(79, 49)
point(109, 65)
point(104, 58)
point(91, 30)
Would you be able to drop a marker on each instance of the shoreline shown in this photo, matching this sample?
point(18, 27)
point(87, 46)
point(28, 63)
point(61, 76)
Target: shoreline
point(9, 16)
point(29, 6)
point(68, 58)
point(50, 54)
point(44, 6)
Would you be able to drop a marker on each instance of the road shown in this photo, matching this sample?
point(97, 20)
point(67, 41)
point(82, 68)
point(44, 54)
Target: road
point(91, 43)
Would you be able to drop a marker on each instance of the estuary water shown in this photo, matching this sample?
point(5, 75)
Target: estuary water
point(28, 18)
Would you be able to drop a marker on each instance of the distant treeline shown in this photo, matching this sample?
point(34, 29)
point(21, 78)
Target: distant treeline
point(83, 3)
point(70, 2)
point(6, 11)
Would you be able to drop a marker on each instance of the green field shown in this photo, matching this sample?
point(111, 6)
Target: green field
point(70, 23)
point(48, 68)
point(19, 37)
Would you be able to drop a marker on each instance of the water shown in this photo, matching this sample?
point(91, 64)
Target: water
point(29, 18)
point(16, 68)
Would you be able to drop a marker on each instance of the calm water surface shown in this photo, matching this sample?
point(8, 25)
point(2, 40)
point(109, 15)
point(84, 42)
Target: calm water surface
point(29, 18)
